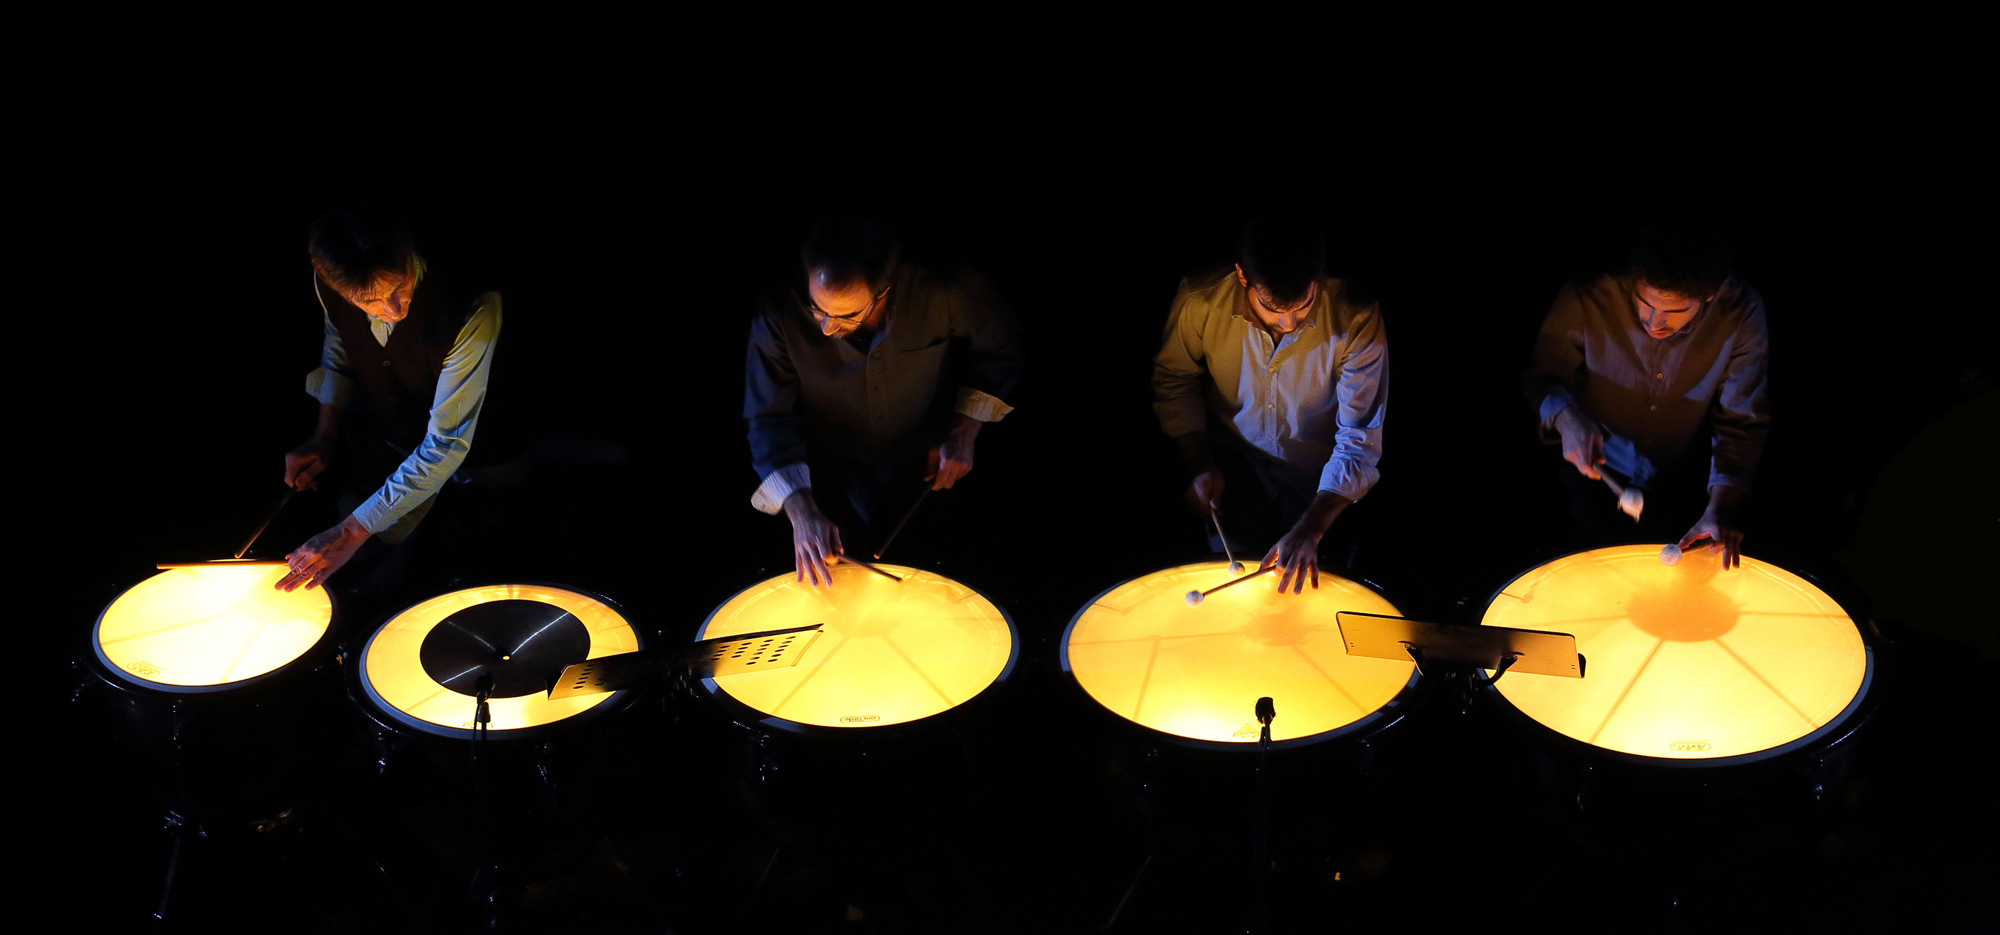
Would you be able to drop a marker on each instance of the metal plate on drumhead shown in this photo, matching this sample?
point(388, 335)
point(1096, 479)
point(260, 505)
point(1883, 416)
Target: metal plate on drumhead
point(421, 667)
point(205, 628)
point(891, 651)
point(1196, 671)
point(1688, 662)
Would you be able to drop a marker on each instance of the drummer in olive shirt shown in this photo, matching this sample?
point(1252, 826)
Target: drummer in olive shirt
point(883, 372)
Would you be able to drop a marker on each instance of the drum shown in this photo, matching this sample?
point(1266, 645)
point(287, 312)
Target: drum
point(891, 652)
point(421, 671)
point(1688, 665)
point(1192, 673)
point(216, 686)
point(869, 755)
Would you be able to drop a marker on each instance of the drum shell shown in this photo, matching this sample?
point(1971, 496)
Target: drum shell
point(241, 752)
point(1600, 787)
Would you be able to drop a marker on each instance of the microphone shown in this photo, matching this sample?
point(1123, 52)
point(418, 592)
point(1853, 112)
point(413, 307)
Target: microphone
point(1266, 711)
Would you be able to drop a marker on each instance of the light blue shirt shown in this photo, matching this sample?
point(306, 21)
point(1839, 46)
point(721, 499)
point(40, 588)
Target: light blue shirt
point(454, 413)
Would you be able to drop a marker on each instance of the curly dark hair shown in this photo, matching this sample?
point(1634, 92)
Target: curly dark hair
point(353, 244)
point(1284, 253)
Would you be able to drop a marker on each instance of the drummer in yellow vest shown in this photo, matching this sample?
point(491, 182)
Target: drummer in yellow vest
point(1293, 370)
point(403, 373)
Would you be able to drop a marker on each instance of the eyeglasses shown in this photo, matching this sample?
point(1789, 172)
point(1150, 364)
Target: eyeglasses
point(822, 316)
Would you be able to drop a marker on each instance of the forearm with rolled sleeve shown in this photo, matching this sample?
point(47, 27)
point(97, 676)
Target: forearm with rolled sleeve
point(770, 409)
point(1741, 416)
point(333, 383)
point(993, 335)
point(1558, 359)
point(1177, 373)
point(454, 416)
point(1363, 389)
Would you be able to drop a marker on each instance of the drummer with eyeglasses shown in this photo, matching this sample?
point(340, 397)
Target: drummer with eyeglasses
point(869, 386)
point(1272, 381)
point(1658, 375)
point(404, 368)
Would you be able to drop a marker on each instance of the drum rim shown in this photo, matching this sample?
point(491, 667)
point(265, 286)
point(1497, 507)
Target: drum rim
point(378, 710)
point(1376, 721)
point(764, 718)
point(122, 679)
point(1838, 724)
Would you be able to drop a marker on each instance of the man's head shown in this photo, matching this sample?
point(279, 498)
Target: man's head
point(366, 254)
point(1675, 268)
point(850, 262)
point(1279, 263)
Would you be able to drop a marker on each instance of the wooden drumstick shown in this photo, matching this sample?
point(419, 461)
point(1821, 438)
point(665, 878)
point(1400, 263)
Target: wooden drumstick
point(893, 533)
point(856, 561)
point(1234, 565)
point(266, 524)
point(1196, 597)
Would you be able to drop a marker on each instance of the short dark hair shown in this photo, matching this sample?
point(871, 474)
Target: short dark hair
point(851, 247)
point(352, 244)
point(1284, 253)
point(1684, 257)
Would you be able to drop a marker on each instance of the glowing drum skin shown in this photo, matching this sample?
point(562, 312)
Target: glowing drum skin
point(208, 629)
point(1195, 672)
point(890, 653)
point(403, 677)
point(1687, 664)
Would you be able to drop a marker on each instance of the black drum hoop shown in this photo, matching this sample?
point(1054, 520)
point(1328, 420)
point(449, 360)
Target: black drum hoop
point(1845, 724)
point(389, 717)
point(125, 681)
point(1374, 722)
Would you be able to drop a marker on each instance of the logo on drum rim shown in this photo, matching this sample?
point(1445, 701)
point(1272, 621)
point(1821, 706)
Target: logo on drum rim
point(1688, 746)
point(860, 718)
point(142, 667)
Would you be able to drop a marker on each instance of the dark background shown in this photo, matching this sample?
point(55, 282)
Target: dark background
point(629, 199)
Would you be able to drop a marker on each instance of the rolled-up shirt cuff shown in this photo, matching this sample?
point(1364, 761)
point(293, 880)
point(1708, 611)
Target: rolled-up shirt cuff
point(780, 485)
point(331, 388)
point(1348, 479)
point(981, 405)
point(1719, 479)
point(1556, 401)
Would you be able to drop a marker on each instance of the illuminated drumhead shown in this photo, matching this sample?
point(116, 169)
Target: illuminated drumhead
point(209, 627)
point(422, 666)
point(1686, 661)
point(891, 652)
point(1197, 671)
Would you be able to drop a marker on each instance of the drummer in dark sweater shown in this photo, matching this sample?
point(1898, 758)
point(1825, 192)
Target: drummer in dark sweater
point(403, 373)
point(876, 380)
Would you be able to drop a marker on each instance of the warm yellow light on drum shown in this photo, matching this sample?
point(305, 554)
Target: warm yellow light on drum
point(1197, 671)
point(393, 665)
point(210, 625)
point(891, 652)
point(1686, 661)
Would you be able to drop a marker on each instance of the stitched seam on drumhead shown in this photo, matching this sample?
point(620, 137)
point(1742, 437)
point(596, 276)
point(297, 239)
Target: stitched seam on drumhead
point(1628, 690)
point(1145, 681)
point(1330, 681)
point(920, 673)
point(1760, 678)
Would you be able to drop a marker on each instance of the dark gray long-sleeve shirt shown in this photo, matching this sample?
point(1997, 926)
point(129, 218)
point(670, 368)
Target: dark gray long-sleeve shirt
point(1656, 393)
point(947, 344)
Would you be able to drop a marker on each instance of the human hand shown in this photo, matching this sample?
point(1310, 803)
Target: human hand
point(1298, 554)
point(1724, 536)
point(1205, 491)
point(815, 540)
point(304, 463)
point(322, 555)
point(951, 460)
point(1582, 441)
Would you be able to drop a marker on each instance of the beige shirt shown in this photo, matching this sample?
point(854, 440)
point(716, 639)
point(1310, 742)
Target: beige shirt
point(1314, 399)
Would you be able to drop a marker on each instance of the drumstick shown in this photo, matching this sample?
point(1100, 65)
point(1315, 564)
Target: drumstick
point(266, 524)
point(1631, 501)
point(1670, 554)
point(1195, 597)
point(912, 511)
point(1235, 567)
point(856, 561)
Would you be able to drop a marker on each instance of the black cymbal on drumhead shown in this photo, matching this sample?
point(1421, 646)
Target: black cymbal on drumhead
point(522, 644)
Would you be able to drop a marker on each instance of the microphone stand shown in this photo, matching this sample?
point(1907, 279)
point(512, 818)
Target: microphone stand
point(1260, 825)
